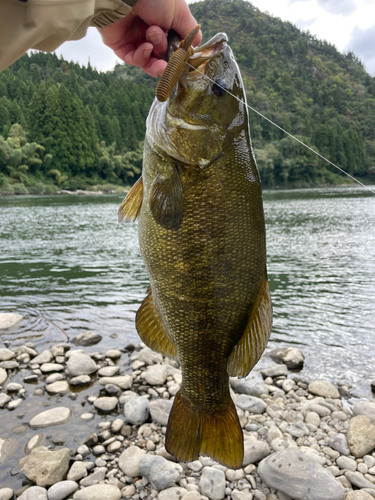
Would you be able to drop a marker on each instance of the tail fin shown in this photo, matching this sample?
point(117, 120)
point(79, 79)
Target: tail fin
point(191, 433)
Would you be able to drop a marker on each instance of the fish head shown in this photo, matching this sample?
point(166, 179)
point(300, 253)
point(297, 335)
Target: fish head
point(193, 124)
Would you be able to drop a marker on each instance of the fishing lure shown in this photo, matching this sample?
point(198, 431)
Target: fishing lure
point(177, 69)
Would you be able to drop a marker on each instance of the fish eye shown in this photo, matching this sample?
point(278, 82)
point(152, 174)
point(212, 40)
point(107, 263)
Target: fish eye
point(218, 88)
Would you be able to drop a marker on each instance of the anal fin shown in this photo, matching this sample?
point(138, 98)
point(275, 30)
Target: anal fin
point(151, 329)
point(192, 432)
point(249, 349)
point(131, 206)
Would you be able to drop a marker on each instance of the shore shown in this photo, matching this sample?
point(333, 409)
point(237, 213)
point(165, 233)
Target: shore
point(302, 440)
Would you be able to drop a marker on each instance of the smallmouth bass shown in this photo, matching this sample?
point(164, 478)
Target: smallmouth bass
point(202, 237)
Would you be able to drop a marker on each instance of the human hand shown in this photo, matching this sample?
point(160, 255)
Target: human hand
point(140, 38)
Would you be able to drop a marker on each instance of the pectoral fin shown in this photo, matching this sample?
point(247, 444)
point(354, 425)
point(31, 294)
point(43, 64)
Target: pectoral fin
point(249, 349)
point(151, 329)
point(131, 206)
point(167, 199)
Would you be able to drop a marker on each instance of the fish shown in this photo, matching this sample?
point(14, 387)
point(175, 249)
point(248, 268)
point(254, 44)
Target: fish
point(202, 236)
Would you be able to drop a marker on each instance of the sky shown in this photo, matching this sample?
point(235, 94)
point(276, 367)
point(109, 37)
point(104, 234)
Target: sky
point(347, 24)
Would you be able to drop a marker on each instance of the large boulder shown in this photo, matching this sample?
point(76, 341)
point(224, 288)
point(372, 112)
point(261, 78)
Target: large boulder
point(45, 467)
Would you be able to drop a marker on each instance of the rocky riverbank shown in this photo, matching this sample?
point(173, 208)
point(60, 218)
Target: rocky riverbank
point(302, 439)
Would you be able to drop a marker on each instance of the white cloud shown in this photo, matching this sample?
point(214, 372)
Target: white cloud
point(336, 7)
point(362, 43)
point(303, 24)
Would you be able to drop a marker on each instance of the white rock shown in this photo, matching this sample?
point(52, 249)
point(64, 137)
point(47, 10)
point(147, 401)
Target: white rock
point(61, 490)
point(156, 375)
point(87, 338)
point(147, 356)
point(86, 416)
point(172, 494)
point(98, 492)
point(129, 460)
point(54, 416)
point(34, 442)
point(3, 376)
point(12, 405)
point(122, 381)
point(212, 483)
point(324, 389)
point(44, 357)
point(8, 320)
point(106, 403)
point(6, 493)
point(34, 493)
point(251, 404)
point(137, 410)
point(80, 364)
point(6, 354)
point(254, 451)
point(54, 377)
point(314, 454)
point(347, 463)
point(51, 367)
point(365, 408)
point(312, 418)
point(113, 354)
point(108, 371)
point(160, 472)
point(59, 387)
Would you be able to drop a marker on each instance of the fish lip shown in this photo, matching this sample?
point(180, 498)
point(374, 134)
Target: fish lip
point(179, 122)
point(204, 53)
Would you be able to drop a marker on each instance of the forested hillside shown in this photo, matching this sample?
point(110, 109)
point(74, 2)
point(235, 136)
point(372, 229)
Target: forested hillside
point(77, 127)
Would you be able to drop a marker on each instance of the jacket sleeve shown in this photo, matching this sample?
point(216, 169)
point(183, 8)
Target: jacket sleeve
point(46, 24)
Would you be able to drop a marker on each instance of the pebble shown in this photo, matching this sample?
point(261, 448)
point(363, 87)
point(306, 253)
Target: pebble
point(113, 354)
point(358, 495)
point(347, 463)
point(254, 451)
point(3, 376)
point(122, 381)
point(361, 436)
point(62, 490)
point(9, 320)
point(87, 338)
point(275, 371)
point(128, 491)
point(106, 404)
point(55, 416)
point(108, 371)
point(34, 493)
point(96, 477)
point(251, 404)
point(51, 367)
point(137, 410)
point(59, 387)
point(6, 493)
point(365, 408)
point(324, 389)
point(172, 494)
point(212, 483)
point(290, 356)
point(85, 417)
point(357, 479)
point(160, 409)
point(80, 364)
point(98, 492)
point(4, 398)
point(6, 354)
point(338, 442)
point(156, 374)
point(44, 357)
point(12, 405)
point(129, 460)
point(77, 471)
point(160, 472)
point(80, 380)
point(299, 476)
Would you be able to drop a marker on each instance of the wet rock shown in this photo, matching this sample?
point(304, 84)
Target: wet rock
point(80, 380)
point(160, 409)
point(80, 364)
point(4, 398)
point(62, 490)
point(122, 381)
point(3, 376)
point(87, 339)
point(160, 472)
point(137, 410)
point(9, 365)
point(108, 371)
point(113, 354)
point(106, 404)
point(299, 476)
point(129, 460)
point(275, 371)
point(251, 404)
point(77, 471)
point(156, 374)
point(9, 320)
point(34, 442)
point(44, 357)
point(59, 387)
point(6, 354)
point(365, 408)
point(6, 493)
point(338, 443)
point(290, 356)
point(357, 479)
point(324, 389)
point(54, 377)
point(173, 494)
point(12, 405)
point(46, 467)
point(51, 367)
point(86, 417)
point(254, 451)
point(98, 492)
point(54, 416)
point(361, 436)
point(6, 448)
point(34, 493)
point(212, 483)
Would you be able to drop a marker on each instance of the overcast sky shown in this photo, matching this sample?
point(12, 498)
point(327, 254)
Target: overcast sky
point(348, 24)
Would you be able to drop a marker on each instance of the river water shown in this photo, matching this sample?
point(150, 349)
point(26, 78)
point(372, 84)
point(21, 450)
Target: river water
point(66, 264)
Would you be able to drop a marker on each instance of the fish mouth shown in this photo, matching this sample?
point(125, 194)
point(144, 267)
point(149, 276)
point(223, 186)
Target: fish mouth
point(204, 53)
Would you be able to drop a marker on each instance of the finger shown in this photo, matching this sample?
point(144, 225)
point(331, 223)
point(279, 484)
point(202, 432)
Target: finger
point(157, 37)
point(139, 56)
point(183, 21)
point(155, 67)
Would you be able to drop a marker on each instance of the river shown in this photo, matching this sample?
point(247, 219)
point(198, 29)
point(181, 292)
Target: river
point(66, 264)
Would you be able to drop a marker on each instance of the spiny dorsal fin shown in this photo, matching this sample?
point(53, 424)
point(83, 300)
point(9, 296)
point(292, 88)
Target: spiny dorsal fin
point(131, 206)
point(151, 329)
point(167, 200)
point(249, 349)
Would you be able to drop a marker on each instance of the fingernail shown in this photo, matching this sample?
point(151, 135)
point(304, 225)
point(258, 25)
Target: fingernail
point(155, 37)
point(146, 53)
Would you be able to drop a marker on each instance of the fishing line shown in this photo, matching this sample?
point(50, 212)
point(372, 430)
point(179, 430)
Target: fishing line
point(286, 132)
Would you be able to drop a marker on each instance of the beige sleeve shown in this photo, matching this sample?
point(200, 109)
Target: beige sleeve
point(46, 24)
